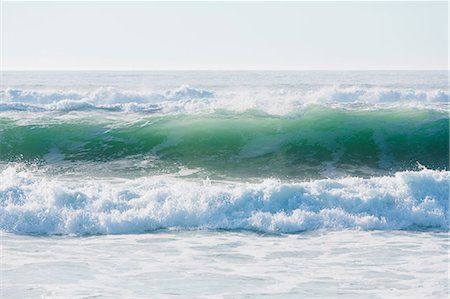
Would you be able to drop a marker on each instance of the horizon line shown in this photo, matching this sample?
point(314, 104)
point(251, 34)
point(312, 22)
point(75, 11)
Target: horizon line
point(217, 70)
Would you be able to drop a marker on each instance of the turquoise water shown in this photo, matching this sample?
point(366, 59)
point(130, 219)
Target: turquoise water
point(319, 183)
point(308, 143)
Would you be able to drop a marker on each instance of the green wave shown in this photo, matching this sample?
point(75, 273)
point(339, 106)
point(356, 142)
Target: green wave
point(314, 142)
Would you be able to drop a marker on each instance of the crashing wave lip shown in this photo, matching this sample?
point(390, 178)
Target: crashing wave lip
point(33, 203)
point(8, 106)
point(69, 105)
point(333, 94)
point(72, 105)
point(186, 99)
point(377, 95)
point(186, 92)
point(102, 95)
point(102, 99)
point(201, 106)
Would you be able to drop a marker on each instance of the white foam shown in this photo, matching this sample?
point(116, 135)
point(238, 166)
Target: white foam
point(32, 202)
point(187, 99)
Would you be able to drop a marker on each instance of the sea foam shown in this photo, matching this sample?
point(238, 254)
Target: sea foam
point(187, 99)
point(35, 203)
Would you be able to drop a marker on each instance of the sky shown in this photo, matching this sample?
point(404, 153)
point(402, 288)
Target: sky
point(224, 35)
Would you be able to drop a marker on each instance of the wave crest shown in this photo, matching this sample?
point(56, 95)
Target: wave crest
point(188, 99)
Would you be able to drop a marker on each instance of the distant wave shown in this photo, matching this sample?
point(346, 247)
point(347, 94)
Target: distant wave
point(191, 99)
point(379, 95)
point(32, 203)
point(103, 94)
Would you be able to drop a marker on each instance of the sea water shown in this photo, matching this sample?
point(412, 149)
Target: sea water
point(224, 184)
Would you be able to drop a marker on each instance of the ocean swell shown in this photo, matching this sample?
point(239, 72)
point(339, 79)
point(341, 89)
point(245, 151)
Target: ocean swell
point(317, 140)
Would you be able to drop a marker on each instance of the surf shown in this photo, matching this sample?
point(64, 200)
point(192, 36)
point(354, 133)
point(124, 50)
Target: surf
point(313, 142)
point(36, 203)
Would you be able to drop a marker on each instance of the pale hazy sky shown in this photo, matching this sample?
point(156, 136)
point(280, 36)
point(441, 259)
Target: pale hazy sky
point(224, 35)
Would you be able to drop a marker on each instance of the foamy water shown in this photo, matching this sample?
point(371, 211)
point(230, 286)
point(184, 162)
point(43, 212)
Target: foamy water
point(211, 264)
point(224, 184)
point(33, 204)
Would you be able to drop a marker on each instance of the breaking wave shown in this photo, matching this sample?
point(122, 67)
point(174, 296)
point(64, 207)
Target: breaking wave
point(189, 99)
point(317, 140)
point(33, 203)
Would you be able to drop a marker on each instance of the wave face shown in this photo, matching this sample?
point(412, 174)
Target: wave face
point(315, 141)
point(129, 152)
point(35, 204)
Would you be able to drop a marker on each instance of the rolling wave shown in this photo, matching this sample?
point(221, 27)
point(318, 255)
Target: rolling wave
point(315, 141)
point(284, 152)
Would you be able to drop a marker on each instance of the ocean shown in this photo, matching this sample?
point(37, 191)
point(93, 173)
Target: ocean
point(224, 184)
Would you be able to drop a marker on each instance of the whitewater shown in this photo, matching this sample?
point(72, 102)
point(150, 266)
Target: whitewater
point(225, 184)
